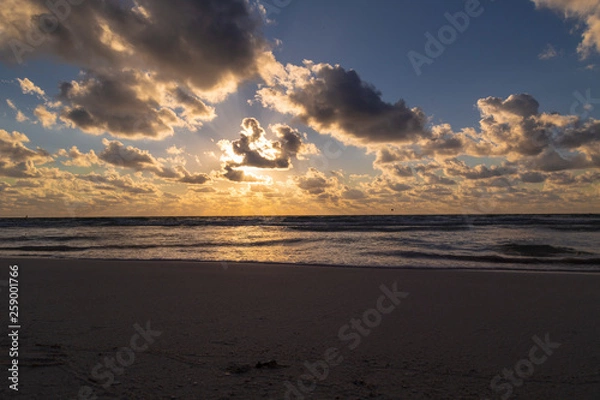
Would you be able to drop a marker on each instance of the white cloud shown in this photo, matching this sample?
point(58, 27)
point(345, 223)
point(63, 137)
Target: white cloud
point(585, 11)
point(47, 118)
point(28, 87)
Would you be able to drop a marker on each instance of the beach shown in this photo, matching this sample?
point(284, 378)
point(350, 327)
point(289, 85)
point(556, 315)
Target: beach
point(186, 330)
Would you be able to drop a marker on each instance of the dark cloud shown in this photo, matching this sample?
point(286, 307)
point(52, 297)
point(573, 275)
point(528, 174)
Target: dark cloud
point(443, 141)
point(334, 100)
point(127, 104)
point(315, 182)
point(435, 179)
point(13, 149)
point(387, 156)
point(117, 154)
point(562, 178)
point(237, 176)
point(523, 105)
point(578, 136)
point(113, 181)
point(201, 42)
point(459, 168)
point(16, 159)
point(253, 149)
point(149, 64)
point(532, 177)
point(194, 108)
point(399, 187)
point(568, 178)
point(552, 160)
point(353, 194)
point(192, 179)
point(403, 171)
point(25, 169)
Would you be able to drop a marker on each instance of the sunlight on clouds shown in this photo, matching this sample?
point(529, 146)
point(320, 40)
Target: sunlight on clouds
point(152, 69)
point(588, 12)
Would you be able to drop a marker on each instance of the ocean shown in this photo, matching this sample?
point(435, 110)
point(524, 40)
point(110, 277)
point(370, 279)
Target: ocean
point(521, 242)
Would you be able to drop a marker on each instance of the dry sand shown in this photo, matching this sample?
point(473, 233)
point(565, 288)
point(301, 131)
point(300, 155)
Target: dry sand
point(210, 327)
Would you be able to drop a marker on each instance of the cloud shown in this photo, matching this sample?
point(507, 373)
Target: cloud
point(435, 179)
point(149, 66)
point(130, 104)
point(194, 110)
point(16, 159)
point(399, 187)
point(112, 180)
point(20, 117)
point(12, 146)
point(585, 11)
point(28, 87)
point(238, 175)
point(175, 151)
point(47, 118)
point(548, 53)
point(553, 160)
point(211, 45)
point(353, 194)
point(522, 144)
point(336, 101)
point(193, 179)
point(254, 150)
point(24, 169)
point(79, 159)
point(532, 177)
point(459, 168)
point(516, 129)
point(315, 182)
point(117, 154)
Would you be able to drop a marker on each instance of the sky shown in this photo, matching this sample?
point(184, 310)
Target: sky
point(299, 107)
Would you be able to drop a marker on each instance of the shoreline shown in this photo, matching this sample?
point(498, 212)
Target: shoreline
point(304, 265)
point(268, 330)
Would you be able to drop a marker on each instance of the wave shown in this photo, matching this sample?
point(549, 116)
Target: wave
point(17, 239)
point(539, 250)
point(197, 245)
point(486, 258)
point(388, 223)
